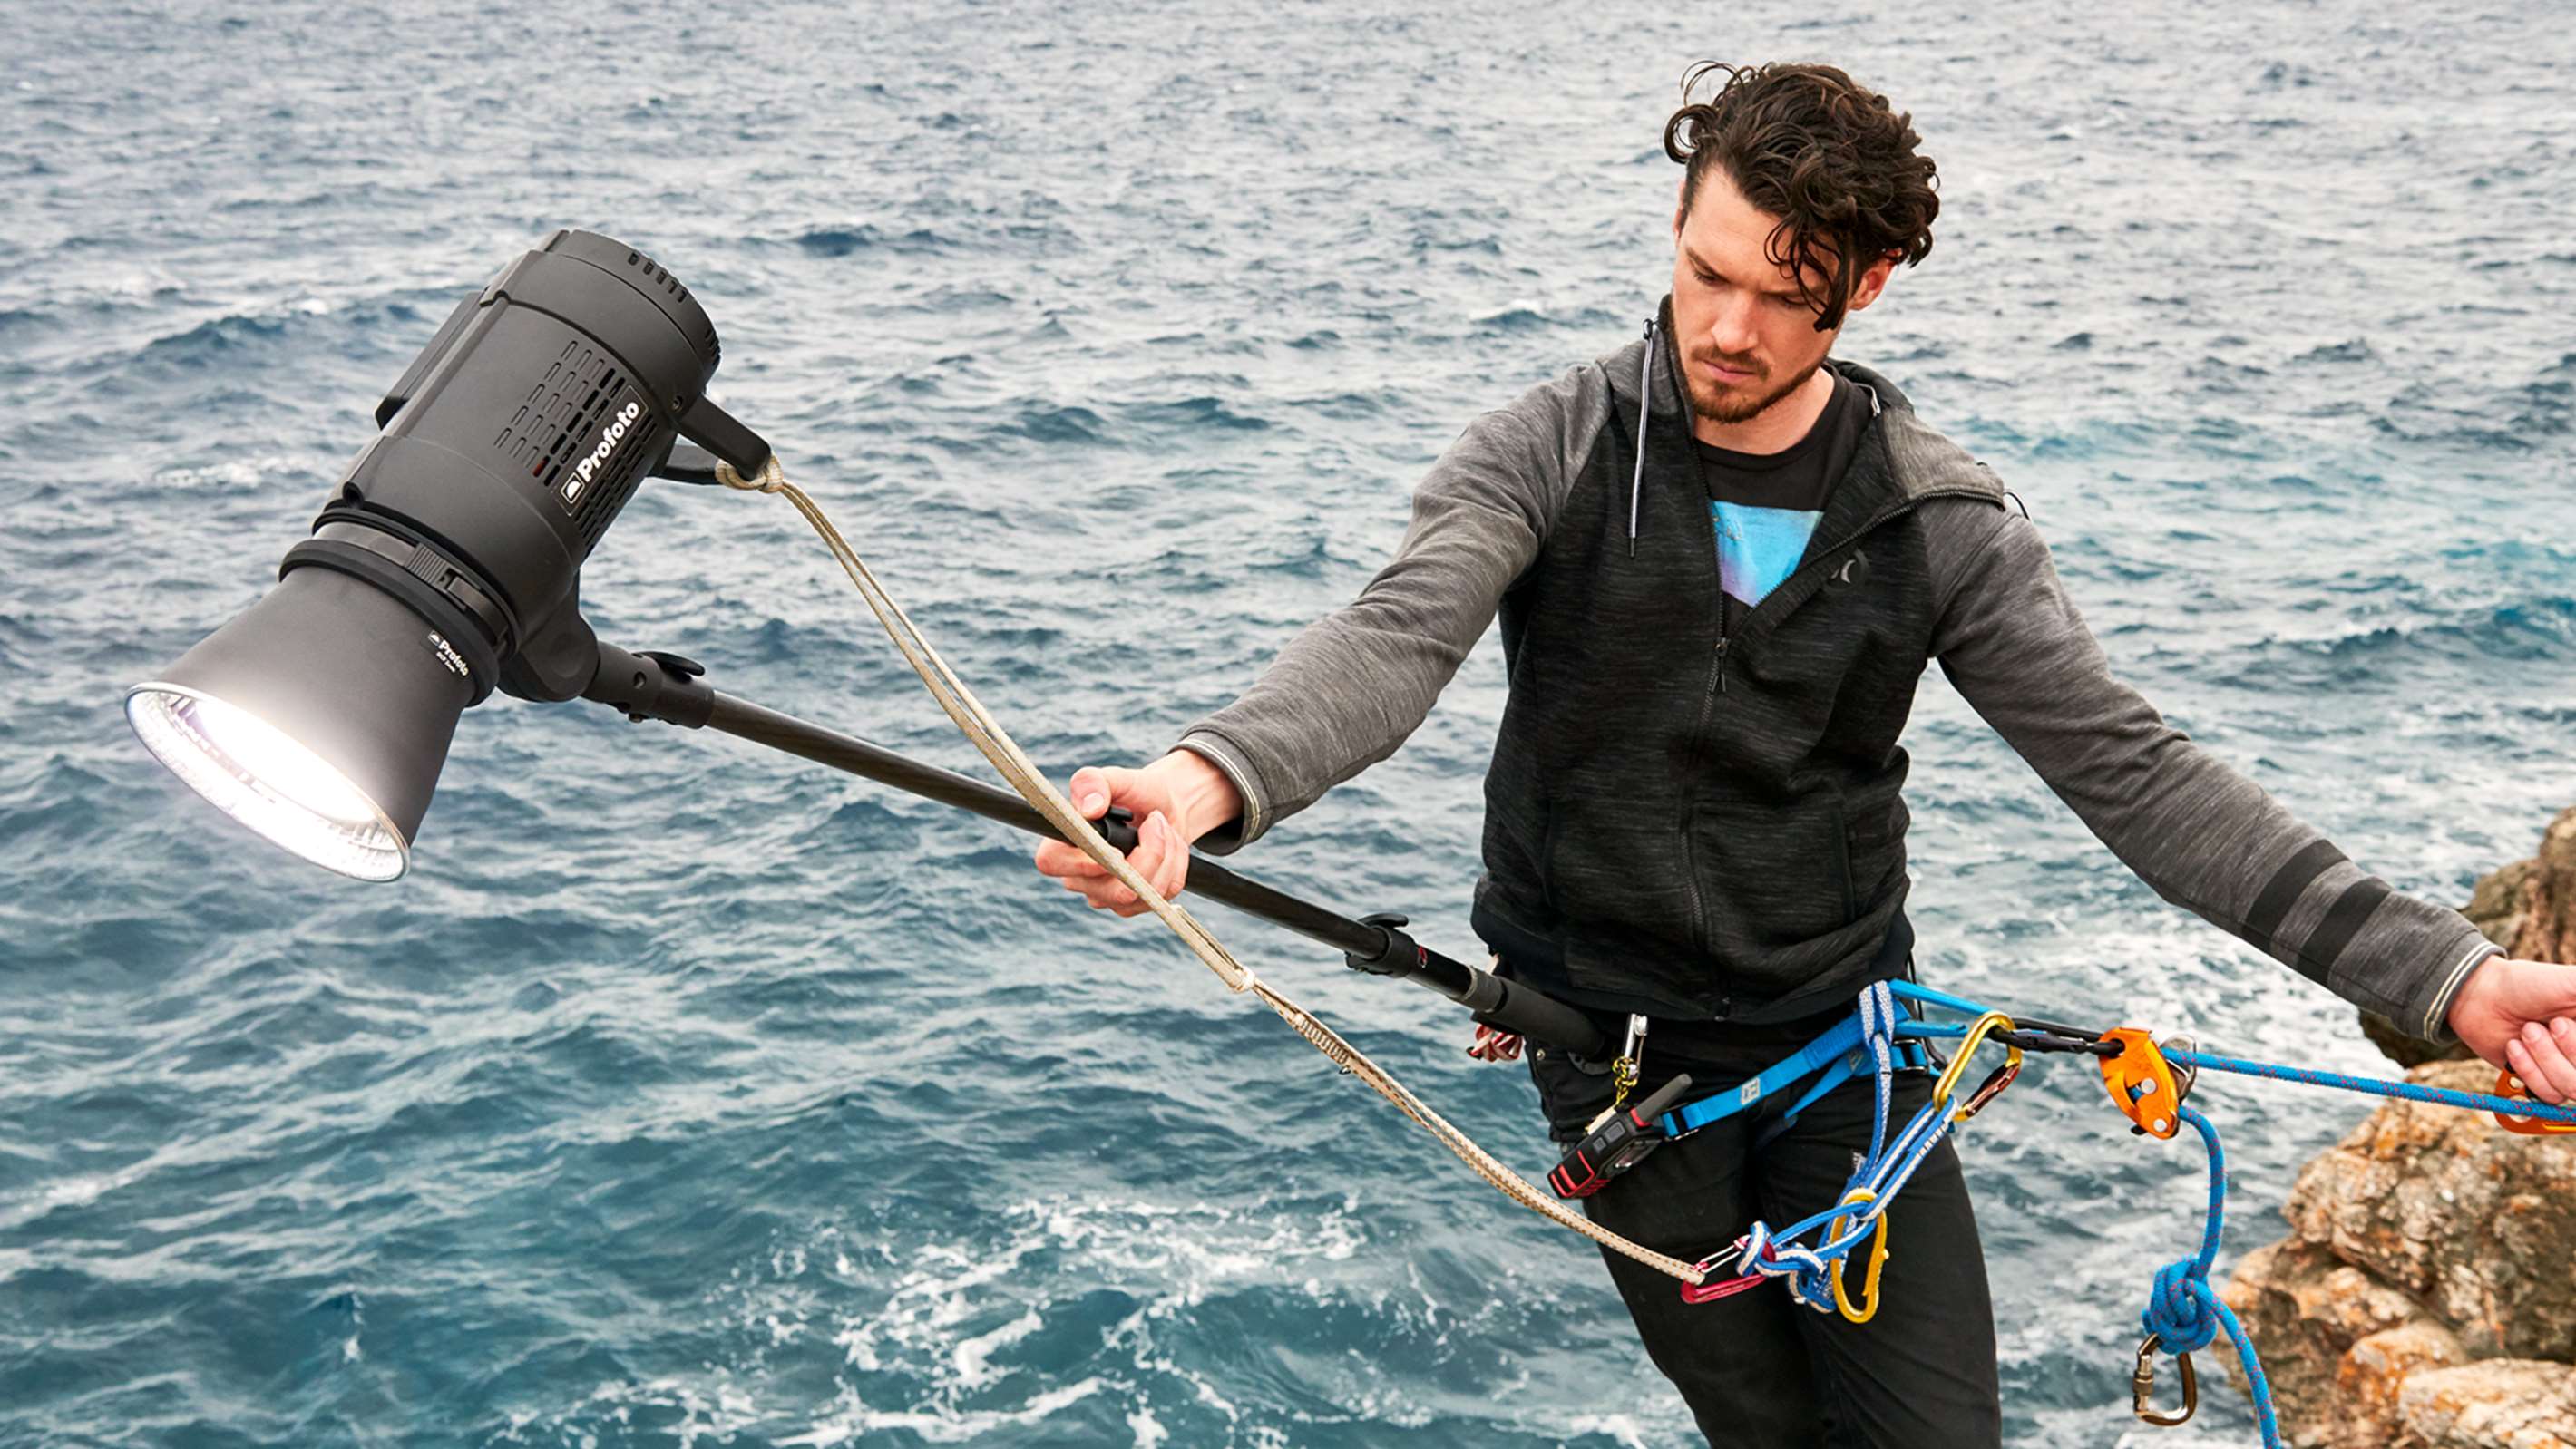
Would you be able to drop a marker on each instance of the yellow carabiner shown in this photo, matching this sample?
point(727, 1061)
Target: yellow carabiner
point(1868, 1305)
point(1983, 1027)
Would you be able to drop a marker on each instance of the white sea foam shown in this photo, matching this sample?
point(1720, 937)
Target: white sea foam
point(233, 472)
point(973, 1357)
point(848, 1418)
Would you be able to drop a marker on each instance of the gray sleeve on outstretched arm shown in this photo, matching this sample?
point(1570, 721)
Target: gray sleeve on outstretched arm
point(1349, 688)
point(2204, 836)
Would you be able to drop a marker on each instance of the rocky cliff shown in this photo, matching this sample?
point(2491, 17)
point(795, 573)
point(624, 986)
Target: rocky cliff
point(2426, 1295)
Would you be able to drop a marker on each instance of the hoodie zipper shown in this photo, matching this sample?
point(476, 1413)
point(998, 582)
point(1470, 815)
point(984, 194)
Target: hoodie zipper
point(1716, 687)
point(1690, 811)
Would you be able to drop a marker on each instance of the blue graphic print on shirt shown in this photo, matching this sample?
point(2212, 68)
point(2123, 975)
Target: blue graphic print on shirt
point(1758, 547)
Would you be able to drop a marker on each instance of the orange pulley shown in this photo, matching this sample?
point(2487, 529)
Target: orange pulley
point(2142, 1082)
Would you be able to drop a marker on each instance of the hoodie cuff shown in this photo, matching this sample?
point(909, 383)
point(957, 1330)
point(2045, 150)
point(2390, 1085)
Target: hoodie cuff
point(2433, 1023)
point(1247, 827)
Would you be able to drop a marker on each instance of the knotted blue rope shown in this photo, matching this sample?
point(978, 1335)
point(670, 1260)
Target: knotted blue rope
point(2185, 1313)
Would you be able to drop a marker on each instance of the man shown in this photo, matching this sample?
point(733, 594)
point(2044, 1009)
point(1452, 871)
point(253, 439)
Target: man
point(1722, 561)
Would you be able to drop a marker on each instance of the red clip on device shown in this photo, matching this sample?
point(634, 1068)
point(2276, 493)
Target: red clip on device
point(1617, 1144)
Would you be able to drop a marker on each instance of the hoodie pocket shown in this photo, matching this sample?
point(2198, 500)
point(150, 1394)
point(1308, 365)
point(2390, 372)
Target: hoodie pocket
point(1773, 878)
point(1618, 862)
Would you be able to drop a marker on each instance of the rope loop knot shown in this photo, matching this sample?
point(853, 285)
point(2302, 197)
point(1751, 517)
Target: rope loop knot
point(770, 479)
point(2179, 1307)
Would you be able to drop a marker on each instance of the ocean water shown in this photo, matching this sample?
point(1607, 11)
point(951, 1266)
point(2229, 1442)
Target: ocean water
point(687, 1095)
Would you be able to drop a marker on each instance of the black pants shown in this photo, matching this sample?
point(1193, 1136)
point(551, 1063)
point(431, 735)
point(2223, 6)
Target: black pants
point(1759, 1370)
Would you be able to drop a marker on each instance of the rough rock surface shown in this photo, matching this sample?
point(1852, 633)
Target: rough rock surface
point(2426, 1239)
point(2426, 1298)
point(2475, 1224)
point(2510, 1402)
point(2529, 907)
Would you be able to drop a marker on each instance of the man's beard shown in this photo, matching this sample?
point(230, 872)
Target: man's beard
point(1741, 403)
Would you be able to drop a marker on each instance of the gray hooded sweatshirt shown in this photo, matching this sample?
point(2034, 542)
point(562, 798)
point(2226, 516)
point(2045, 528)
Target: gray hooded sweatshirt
point(1704, 821)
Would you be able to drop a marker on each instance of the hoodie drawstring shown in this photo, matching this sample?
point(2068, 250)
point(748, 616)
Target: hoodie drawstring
point(1645, 394)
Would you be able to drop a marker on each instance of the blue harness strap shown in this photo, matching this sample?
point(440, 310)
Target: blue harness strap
point(1828, 1053)
point(1914, 991)
point(1833, 1058)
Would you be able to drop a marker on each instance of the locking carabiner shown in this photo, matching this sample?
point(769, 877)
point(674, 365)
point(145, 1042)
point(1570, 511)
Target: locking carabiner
point(2142, 1387)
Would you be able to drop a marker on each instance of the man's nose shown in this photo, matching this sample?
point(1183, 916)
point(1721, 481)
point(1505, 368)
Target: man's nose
point(1732, 330)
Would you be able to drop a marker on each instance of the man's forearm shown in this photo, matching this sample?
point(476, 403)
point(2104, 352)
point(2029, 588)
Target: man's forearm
point(2204, 836)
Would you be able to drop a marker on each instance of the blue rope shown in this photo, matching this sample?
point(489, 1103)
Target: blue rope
point(2537, 1111)
point(2185, 1313)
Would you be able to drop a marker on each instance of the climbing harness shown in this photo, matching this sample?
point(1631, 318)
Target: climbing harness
point(1874, 1038)
point(2148, 1081)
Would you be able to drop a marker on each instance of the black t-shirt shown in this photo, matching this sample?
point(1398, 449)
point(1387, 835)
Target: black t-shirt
point(1764, 506)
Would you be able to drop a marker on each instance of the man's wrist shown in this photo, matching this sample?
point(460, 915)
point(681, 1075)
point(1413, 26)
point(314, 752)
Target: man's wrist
point(2455, 987)
point(1207, 799)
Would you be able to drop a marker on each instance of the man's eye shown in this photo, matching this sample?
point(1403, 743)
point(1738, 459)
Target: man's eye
point(1706, 279)
point(1785, 302)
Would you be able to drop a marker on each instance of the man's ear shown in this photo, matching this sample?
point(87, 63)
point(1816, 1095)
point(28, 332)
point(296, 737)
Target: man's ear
point(1871, 283)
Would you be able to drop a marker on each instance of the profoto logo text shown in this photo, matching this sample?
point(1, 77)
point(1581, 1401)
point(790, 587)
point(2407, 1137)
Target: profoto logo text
point(609, 437)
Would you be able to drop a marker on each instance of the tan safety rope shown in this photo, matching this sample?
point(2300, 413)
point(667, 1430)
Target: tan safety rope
point(1024, 776)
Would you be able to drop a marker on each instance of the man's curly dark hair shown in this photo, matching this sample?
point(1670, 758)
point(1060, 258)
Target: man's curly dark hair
point(1831, 159)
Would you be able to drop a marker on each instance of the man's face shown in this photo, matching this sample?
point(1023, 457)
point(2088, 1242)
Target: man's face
point(1746, 337)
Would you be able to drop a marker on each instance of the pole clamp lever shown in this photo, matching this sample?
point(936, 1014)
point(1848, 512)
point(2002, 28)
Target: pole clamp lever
point(1400, 954)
